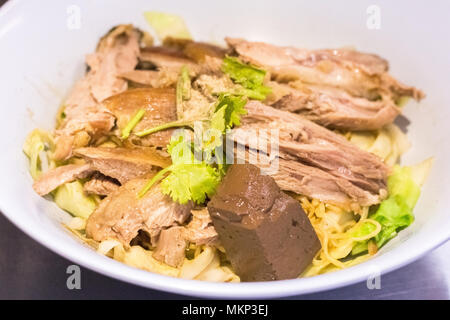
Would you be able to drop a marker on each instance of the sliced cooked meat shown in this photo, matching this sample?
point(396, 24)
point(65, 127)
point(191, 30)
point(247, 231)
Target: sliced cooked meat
point(171, 247)
point(258, 52)
point(197, 56)
point(197, 107)
point(201, 51)
point(212, 85)
point(93, 120)
point(335, 108)
point(400, 89)
point(159, 105)
point(116, 53)
point(307, 141)
point(53, 178)
point(194, 50)
point(315, 147)
point(171, 244)
point(164, 78)
point(200, 229)
point(123, 164)
point(208, 56)
point(63, 146)
point(122, 214)
point(359, 73)
point(101, 185)
point(164, 57)
point(292, 175)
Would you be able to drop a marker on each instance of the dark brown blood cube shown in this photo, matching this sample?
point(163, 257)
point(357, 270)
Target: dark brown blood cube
point(265, 233)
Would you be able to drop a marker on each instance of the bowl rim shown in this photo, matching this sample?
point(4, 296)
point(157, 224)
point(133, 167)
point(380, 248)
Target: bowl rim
point(88, 258)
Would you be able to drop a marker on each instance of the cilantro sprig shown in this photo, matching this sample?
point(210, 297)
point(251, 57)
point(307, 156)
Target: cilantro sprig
point(132, 123)
point(228, 112)
point(186, 179)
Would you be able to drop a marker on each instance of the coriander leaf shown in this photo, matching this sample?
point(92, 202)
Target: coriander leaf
point(250, 77)
point(235, 108)
point(211, 144)
point(245, 74)
point(191, 182)
point(258, 93)
point(228, 114)
point(218, 120)
point(185, 180)
point(180, 149)
point(175, 140)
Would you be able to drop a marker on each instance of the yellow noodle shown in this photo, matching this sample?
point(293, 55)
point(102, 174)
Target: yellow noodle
point(372, 234)
point(334, 226)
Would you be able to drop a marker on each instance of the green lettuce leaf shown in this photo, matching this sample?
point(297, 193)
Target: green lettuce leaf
point(35, 144)
point(393, 214)
point(401, 184)
point(361, 246)
point(396, 212)
point(167, 25)
point(71, 197)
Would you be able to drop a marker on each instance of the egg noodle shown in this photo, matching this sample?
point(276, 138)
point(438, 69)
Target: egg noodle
point(201, 262)
point(333, 224)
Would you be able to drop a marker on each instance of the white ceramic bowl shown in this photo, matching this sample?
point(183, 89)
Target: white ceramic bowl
point(41, 55)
